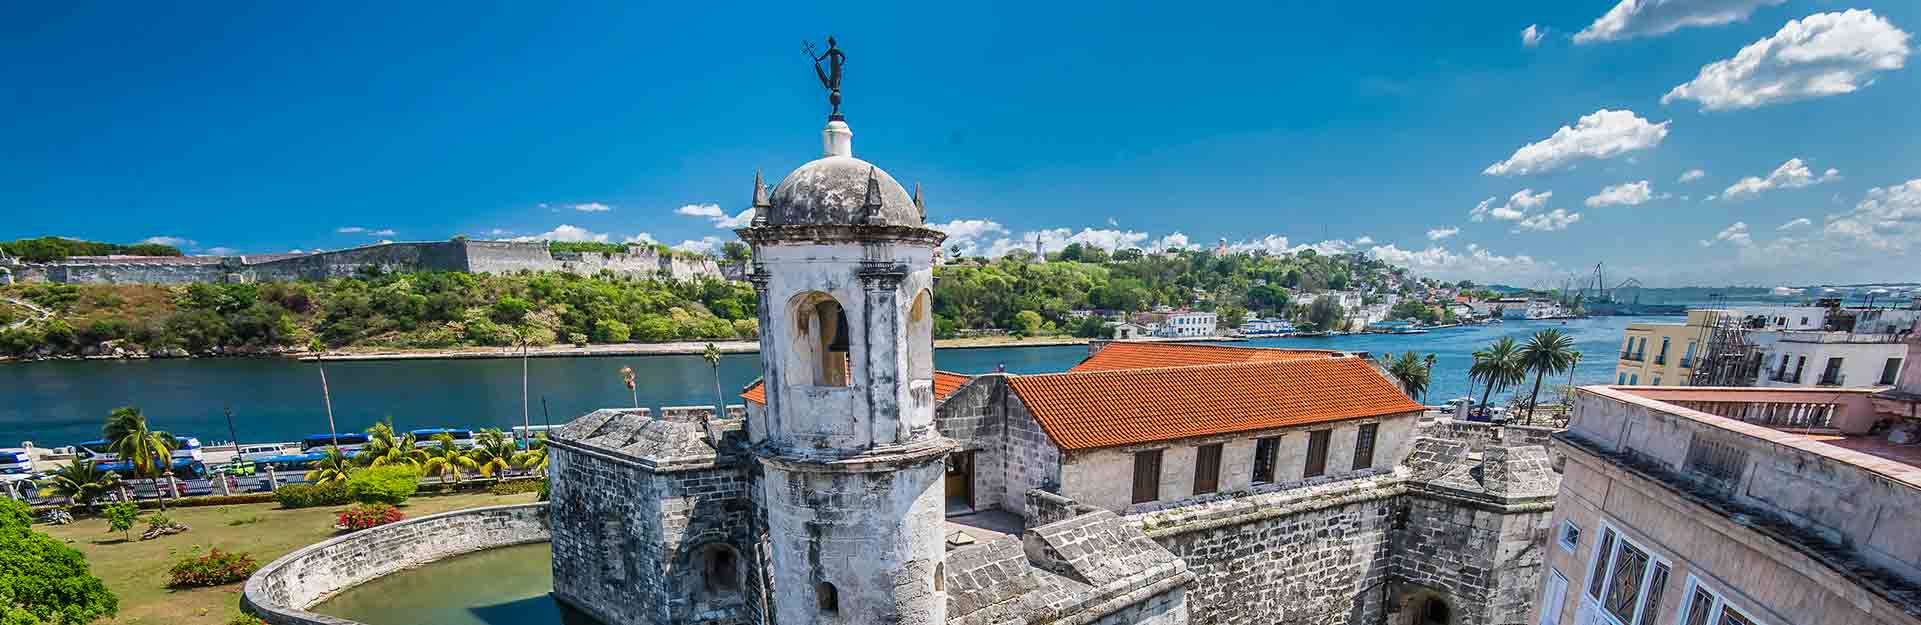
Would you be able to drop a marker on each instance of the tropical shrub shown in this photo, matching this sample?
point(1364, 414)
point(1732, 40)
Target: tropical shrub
point(365, 515)
point(246, 619)
point(515, 487)
point(121, 517)
point(42, 580)
point(311, 495)
point(388, 484)
point(213, 569)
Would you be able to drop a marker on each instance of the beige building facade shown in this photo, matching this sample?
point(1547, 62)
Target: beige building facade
point(1732, 506)
point(1663, 354)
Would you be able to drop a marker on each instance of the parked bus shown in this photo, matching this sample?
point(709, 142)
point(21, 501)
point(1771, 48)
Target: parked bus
point(424, 438)
point(183, 469)
point(100, 450)
point(256, 453)
point(348, 442)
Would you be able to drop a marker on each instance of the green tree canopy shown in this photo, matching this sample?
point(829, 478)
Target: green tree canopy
point(44, 581)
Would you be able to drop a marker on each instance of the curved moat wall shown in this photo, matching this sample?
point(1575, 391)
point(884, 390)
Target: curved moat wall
point(281, 592)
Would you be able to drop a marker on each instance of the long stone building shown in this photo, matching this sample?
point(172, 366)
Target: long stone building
point(460, 255)
point(1151, 484)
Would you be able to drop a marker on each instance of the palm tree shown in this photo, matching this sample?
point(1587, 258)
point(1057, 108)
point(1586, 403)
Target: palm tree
point(1428, 372)
point(81, 482)
point(1546, 353)
point(148, 451)
point(1411, 372)
point(449, 461)
point(333, 466)
point(326, 394)
point(627, 377)
point(495, 452)
point(385, 448)
point(1499, 367)
point(712, 356)
point(534, 460)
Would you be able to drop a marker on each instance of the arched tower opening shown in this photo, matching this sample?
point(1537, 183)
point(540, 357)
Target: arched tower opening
point(820, 337)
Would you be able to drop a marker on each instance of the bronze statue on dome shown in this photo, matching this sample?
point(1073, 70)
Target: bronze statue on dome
point(829, 77)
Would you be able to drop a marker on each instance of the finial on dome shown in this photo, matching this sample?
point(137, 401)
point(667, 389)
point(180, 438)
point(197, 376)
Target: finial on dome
point(919, 205)
point(870, 212)
point(761, 203)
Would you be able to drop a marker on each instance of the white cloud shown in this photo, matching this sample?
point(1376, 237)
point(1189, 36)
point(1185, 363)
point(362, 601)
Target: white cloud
point(1551, 221)
point(1364, 240)
point(1792, 174)
point(1173, 240)
point(1624, 194)
point(499, 232)
point(591, 207)
point(1602, 134)
point(566, 232)
point(383, 232)
point(383, 242)
point(1531, 36)
point(1692, 175)
point(350, 230)
point(221, 251)
point(643, 238)
point(970, 234)
point(718, 216)
point(1648, 18)
point(1442, 233)
point(169, 241)
point(1816, 56)
point(703, 245)
point(1516, 207)
point(372, 232)
point(1271, 244)
point(1477, 264)
point(1887, 219)
point(1736, 234)
point(1794, 223)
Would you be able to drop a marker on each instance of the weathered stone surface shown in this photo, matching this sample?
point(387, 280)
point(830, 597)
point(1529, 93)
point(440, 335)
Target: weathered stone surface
point(281, 591)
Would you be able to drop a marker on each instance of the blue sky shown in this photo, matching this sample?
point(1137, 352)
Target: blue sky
point(265, 127)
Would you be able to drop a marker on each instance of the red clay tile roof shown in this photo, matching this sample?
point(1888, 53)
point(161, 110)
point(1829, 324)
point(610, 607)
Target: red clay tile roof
point(1124, 407)
point(1144, 355)
point(944, 384)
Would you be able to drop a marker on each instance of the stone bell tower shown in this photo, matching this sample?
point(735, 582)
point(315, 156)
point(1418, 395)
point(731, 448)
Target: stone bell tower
point(853, 466)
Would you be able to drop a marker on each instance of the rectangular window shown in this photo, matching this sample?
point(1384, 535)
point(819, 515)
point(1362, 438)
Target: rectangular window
point(1657, 380)
point(1597, 575)
point(1364, 446)
point(1634, 379)
point(1890, 371)
point(1570, 536)
point(1147, 476)
point(1657, 583)
point(1706, 607)
point(1624, 582)
point(1207, 469)
point(1265, 450)
point(1316, 453)
point(1621, 378)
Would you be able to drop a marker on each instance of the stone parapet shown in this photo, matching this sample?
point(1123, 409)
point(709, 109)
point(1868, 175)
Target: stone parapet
point(281, 592)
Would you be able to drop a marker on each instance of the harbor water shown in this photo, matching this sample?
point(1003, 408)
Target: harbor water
point(64, 402)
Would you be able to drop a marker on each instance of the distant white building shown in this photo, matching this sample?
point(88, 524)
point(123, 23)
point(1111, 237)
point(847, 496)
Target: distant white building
point(1189, 323)
point(1798, 358)
point(1125, 330)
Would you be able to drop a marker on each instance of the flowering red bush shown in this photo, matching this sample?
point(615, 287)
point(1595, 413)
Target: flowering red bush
point(216, 568)
point(363, 516)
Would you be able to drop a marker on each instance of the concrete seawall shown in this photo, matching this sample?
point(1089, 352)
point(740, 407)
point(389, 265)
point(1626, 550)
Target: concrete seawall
point(281, 591)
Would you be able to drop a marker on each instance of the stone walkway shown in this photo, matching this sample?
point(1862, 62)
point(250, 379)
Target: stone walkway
point(980, 528)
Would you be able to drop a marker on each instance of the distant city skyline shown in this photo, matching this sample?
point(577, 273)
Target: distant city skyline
point(1714, 142)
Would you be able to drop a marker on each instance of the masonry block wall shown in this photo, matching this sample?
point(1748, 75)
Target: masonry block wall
point(1487, 561)
point(971, 417)
point(638, 546)
point(1320, 565)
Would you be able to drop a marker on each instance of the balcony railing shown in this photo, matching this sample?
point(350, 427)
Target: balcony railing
point(1632, 355)
point(1660, 360)
point(1687, 362)
point(1781, 375)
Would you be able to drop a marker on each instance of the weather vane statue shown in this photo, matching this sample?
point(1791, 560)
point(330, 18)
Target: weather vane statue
point(829, 77)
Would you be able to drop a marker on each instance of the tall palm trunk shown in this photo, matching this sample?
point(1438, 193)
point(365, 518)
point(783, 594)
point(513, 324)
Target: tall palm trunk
point(1485, 392)
point(326, 396)
point(526, 421)
point(1535, 397)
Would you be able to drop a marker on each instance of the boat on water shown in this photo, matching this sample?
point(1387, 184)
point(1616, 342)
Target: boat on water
point(1409, 331)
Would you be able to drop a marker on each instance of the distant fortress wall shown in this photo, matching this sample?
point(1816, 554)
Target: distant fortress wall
point(460, 255)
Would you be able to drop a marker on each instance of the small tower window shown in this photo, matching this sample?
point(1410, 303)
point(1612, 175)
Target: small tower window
point(821, 339)
point(827, 597)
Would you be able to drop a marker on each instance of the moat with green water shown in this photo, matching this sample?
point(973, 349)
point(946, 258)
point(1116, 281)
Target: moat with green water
point(504, 586)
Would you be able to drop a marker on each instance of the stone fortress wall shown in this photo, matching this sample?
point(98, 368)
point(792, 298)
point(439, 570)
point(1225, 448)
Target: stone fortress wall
point(281, 591)
point(459, 255)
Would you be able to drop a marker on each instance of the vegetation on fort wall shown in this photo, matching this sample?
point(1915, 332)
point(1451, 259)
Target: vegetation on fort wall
point(46, 249)
point(409, 310)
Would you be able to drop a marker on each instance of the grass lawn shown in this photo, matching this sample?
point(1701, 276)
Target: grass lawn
point(136, 571)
